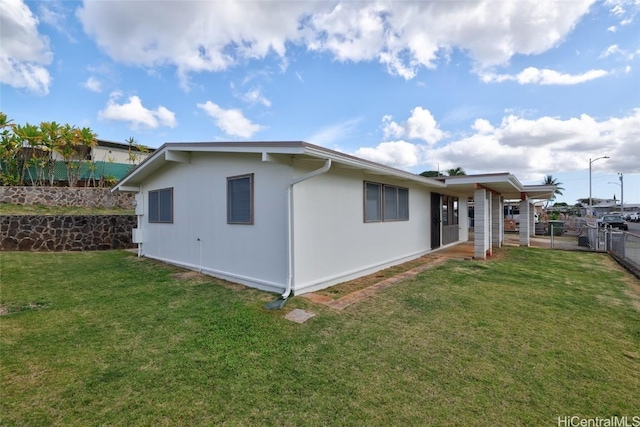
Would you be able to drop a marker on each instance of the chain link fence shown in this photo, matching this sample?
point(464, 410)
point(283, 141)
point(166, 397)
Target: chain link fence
point(624, 245)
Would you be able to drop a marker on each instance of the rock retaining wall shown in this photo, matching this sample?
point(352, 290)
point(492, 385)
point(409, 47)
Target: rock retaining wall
point(47, 233)
point(67, 196)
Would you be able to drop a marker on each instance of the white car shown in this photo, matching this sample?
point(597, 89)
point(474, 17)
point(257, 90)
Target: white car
point(633, 216)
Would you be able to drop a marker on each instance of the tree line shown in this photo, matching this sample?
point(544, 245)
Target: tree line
point(51, 153)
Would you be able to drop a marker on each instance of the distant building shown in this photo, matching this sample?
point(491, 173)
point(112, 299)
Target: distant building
point(107, 161)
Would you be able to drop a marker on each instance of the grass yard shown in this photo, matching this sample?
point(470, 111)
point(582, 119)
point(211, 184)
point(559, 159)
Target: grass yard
point(105, 338)
point(11, 209)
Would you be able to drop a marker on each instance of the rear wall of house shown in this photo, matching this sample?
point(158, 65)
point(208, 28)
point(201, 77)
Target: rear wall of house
point(200, 237)
point(334, 244)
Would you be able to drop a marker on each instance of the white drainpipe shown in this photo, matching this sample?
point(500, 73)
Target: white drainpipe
point(325, 168)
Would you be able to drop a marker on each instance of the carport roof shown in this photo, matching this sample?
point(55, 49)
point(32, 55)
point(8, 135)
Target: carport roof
point(503, 183)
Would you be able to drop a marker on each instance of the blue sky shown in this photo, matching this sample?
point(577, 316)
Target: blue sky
point(529, 87)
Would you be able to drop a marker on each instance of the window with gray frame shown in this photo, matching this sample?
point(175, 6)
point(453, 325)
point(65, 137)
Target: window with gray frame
point(240, 199)
point(161, 205)
point(385, 203)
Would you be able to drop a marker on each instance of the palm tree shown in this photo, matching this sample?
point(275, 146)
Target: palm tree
point(456, 171)
point(550, 180)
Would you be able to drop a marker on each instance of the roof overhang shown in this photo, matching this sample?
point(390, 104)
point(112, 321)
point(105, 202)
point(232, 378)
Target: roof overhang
point(504, 184)
point(182, 152)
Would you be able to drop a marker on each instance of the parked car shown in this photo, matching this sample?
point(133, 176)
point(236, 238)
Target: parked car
point(613, 221)
point(633, 217)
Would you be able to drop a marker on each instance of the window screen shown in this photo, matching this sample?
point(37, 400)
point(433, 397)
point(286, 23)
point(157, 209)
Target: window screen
point(372, 202)
point(390, 203)
point(161, 205)
point(240, 199)
point(403, 204)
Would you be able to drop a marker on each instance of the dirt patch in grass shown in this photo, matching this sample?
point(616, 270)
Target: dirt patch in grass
point(194, 277)
point(5, 310)
point(188, 275)
point(345, 288)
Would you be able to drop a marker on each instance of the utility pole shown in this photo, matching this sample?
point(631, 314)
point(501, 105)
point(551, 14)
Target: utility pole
point(590, 211)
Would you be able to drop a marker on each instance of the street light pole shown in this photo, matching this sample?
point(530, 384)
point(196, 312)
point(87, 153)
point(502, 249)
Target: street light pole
point(621, 195)
point(590, 213)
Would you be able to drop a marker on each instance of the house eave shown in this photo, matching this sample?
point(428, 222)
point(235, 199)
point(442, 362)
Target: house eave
point(180, 152)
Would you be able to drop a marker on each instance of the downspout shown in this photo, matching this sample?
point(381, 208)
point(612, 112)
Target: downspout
point(139, 225)
point(324, 169)
point(139, 200)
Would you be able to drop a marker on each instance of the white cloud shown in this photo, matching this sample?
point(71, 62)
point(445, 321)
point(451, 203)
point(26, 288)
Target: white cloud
point(391, 129)
point(232, 122)
point(529, 147)
point(403, 36)
point(400, 154)
point(92, 84)
point(136, 114)
point(408, 35)
point(532, 75)
point(624, 10)
point(620, 53)
point(482, 126)
point(25, 52)
point(612, 29)
point(551, 77)
point(526, 147)
point(421, 125)
point(255, 96)
point(53, 14)
point(193, 36)
point(611, 50)
point(329, 135)
point(51, 17)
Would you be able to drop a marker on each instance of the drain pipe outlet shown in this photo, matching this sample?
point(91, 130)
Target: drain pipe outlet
point(324, 169)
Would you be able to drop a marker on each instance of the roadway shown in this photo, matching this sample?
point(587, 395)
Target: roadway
point(634, 227)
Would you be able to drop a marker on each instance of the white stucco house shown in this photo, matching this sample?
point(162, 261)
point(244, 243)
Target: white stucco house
point(292, 217)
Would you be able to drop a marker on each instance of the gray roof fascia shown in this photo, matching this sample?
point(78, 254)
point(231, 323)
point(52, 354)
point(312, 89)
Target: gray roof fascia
point(285, 147)
point(346, 159)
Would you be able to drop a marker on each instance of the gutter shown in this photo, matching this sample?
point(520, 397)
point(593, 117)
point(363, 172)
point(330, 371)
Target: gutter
point(324, 169)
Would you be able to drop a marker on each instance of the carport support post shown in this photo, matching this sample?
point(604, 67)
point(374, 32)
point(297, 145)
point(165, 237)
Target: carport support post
point(525, 216)
point(532, 220)
point(497, 221)
point(481, 230)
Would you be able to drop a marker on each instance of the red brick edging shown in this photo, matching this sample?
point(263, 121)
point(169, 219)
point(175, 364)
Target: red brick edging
point(357, 296)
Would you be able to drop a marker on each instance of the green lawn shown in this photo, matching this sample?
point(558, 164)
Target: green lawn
point(11, 209)
point(105, 338)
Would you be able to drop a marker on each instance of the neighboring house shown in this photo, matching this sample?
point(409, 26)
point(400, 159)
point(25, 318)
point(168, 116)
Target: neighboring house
point(118, 152)
point(604, 206)
point(107, 160)
point(292, 217)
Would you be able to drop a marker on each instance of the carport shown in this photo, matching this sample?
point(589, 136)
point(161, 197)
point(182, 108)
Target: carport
point(489, 192)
